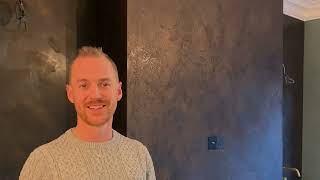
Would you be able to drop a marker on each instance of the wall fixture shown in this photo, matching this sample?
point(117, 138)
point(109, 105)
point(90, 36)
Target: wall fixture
point(21, 14)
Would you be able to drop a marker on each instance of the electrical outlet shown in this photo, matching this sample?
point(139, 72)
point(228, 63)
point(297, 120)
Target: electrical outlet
point(215, 142)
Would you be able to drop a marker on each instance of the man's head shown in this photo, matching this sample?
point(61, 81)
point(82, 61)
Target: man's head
point(94, 87)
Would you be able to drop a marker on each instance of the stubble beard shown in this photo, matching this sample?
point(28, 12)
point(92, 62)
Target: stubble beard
point(82, 113)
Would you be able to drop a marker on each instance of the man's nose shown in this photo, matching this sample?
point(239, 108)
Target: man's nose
point(95, 92)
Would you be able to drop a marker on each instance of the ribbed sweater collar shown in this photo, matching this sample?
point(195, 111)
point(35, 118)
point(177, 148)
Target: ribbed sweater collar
point(116, 137)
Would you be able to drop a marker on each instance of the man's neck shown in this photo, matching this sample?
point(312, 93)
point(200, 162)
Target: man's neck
point(90, 133)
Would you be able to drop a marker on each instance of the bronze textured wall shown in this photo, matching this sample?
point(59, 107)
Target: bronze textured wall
point(199, 68)
point(32, 73)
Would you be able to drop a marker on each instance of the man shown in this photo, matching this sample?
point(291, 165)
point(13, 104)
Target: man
point(92, 150)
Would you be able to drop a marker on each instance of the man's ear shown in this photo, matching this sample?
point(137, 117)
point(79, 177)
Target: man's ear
point(119, 91)
point(69, 93)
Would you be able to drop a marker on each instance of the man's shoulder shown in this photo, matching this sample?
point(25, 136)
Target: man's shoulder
point(132, 144)
point(136, 155)
point(129, 141)
point(44, 148)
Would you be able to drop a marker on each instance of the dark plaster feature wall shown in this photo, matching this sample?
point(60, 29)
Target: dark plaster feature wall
point(293, 53)
point(33, 73)
point(203, 68)
point(87, 23)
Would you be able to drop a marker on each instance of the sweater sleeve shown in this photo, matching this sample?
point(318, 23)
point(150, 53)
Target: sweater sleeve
point(150, 169)
point(35, 167)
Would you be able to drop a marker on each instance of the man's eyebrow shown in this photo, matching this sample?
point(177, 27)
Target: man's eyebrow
point(81, 80)
point(104, 79)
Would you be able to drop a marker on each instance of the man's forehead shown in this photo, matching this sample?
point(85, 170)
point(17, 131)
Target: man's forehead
point(92, 67)
point(98, 80)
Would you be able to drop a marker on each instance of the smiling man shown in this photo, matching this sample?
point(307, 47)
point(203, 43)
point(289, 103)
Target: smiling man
point(91, 150)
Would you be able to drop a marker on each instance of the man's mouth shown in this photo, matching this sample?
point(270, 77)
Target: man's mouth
point(96, 107)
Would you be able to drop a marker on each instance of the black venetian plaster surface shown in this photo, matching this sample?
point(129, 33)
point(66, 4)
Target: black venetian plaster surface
point(32, 75)
point(203, 68)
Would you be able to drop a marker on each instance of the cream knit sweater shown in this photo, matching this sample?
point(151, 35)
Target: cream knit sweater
point(68, 158)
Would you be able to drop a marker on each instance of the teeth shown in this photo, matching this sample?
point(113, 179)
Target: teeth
point(95, 107)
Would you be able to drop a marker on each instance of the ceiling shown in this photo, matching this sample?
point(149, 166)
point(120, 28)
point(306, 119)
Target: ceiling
point(302, 9)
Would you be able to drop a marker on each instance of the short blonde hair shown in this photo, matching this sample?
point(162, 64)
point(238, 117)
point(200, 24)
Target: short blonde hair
point(85, 51)
point(91, 51)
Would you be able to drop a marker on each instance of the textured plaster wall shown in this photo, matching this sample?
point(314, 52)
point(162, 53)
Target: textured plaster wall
point(32, 75)
point(203, 68)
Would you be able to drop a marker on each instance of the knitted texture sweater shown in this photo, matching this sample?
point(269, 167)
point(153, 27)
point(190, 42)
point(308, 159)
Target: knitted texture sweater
point(68, 158)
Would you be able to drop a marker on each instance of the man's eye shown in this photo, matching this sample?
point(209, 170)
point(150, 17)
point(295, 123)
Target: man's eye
point(105, 84)
point(82, 85)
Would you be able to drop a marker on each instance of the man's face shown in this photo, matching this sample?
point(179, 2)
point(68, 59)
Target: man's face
point(94, 89)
